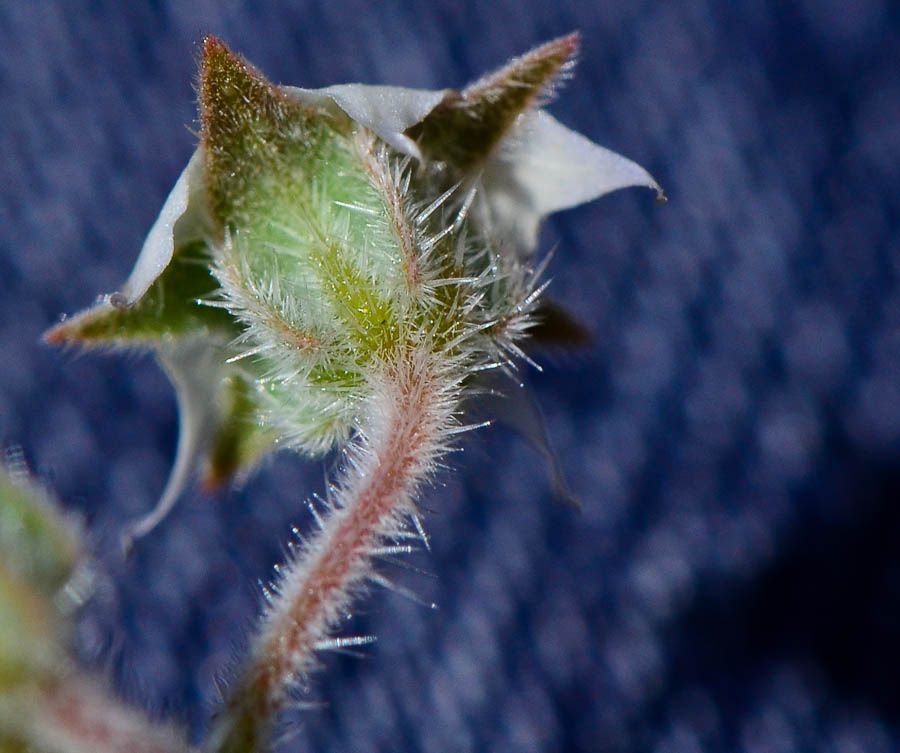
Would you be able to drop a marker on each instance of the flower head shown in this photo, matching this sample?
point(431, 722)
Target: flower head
point(316, 237)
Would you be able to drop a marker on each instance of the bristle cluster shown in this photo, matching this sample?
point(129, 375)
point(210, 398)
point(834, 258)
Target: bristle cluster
point(363, 261)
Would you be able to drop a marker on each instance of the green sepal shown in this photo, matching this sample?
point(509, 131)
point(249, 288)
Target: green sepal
point(466, 127)
point(278, 173)
point(256, 138)
point(308, 257)
point(240, 439)
point(170, 307)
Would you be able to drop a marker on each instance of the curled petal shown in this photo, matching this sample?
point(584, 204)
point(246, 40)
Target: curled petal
point(544, 167)
point(195, 368)
point(386, 110)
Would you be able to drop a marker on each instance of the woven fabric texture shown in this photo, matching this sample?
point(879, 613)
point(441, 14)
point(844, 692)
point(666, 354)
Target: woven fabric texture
point(733, 580)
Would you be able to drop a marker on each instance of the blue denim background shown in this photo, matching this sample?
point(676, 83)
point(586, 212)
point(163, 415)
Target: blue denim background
point(733, 582)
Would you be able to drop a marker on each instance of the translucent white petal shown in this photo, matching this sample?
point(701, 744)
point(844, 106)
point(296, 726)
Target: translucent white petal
point(497, 397)
point(182, 219)
point(195, 368)
point(387, 110)
point(544, 167)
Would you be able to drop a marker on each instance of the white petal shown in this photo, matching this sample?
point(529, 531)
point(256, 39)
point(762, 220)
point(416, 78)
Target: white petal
point(387, 110)
point(182, 219)
point(195, 368)
point(499, 397)
point(544, 167)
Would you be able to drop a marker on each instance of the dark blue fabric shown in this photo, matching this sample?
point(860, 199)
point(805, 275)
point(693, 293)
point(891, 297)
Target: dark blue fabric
point(733, 582)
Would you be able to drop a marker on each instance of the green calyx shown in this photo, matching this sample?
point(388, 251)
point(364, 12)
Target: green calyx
point(337, 252)
point(318, 236)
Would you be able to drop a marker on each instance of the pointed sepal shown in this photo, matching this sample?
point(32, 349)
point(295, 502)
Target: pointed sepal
point(256, 140)
point(160, 297)
point(170, 307)
point(466, 127)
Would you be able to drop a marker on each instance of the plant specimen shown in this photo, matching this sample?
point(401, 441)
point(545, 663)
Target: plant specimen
point(337, 269)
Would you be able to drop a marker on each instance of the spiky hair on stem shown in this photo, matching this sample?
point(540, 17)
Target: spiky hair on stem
point(406, 425)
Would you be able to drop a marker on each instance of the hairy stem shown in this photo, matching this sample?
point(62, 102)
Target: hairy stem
point(407, 422)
